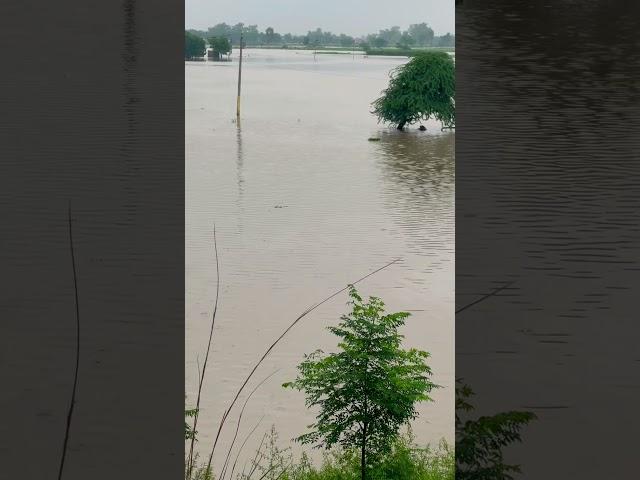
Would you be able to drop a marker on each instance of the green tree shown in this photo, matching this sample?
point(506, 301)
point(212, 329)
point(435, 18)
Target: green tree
point(446, 40)
point(368, 389)
point(379, 42)
point(315, 38)
point(194, 45)
point(406, 41)
point(219, 30)
point(269, 35)
point(479, 442)
point(189, 432)
point(391, 36)
point(236, 31)
point(346, 40)
point(220, 46)
point(422, 88)
point(421, 33)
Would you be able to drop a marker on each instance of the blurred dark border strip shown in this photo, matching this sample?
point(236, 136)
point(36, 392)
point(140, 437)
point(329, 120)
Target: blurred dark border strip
point(548, 201)
point(92, 116)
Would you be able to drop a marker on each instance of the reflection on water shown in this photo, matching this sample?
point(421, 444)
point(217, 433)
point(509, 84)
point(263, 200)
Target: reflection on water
point(239, 157)
point(420, 166)
point(419, 190)
point(304, 204)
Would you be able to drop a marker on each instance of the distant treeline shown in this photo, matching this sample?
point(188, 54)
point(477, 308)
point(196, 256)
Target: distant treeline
point(417, 35)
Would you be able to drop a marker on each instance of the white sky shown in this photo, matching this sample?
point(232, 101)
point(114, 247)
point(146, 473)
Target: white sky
point(353, 17)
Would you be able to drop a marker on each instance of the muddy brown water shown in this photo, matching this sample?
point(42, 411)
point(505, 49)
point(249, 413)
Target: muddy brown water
point(303, 204)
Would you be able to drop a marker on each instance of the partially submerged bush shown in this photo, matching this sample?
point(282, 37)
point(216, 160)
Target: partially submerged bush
point(423, 88)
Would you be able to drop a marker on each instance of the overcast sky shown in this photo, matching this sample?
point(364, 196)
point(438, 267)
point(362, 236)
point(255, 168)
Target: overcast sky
point(353, 17)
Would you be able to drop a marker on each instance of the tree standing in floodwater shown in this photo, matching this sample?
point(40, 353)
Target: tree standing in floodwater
point(422, 88)
point(367, 390)
point(194, 46)
point(219, 46)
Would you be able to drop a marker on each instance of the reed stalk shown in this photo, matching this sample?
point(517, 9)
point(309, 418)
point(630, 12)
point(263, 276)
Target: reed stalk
point(72, 403)
point(206, 359)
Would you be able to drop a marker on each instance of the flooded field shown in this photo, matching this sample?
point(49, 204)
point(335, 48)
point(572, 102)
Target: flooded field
point(303, 204)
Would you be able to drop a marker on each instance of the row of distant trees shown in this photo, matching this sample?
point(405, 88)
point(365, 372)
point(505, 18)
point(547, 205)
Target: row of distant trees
point(417, 35)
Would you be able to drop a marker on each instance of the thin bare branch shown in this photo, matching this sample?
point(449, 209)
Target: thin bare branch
point(269, 470)
point(283, 471)
point(77, 366)
point(483, 298)
point(198, 365)
point(226, 461)
point(254, 462)
point(206, 358)
point(233, 469)
point(273, 468)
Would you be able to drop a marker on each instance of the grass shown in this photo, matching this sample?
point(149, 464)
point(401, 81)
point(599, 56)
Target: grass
point(406, 461)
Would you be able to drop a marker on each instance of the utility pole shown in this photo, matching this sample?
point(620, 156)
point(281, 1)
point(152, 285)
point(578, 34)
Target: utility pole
point(239, 79)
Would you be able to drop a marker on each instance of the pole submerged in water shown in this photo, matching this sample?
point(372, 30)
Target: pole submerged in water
point(239, 79)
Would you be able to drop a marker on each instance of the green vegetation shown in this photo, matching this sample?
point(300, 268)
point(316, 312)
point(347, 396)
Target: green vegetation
point(219, 46)
point(368, 390)
point(405, 461)
point(422, 88)
point(194, 46)
point(189, 432)
point(199, 472)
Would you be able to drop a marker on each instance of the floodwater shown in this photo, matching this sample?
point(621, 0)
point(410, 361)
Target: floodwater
point(304, 204)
